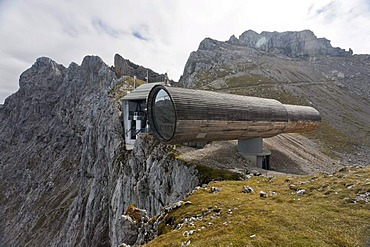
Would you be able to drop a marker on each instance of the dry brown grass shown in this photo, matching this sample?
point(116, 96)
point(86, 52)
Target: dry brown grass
point(324, 216)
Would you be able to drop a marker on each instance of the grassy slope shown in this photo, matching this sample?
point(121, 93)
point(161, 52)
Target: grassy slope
point(323, 216)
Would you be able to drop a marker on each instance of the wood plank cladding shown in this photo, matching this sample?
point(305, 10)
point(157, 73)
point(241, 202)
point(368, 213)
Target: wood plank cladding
point(209, 116)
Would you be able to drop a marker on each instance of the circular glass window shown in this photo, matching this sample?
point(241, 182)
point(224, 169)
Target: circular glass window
point(164, 116)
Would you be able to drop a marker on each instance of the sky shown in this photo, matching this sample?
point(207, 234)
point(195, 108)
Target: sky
point(159, 34)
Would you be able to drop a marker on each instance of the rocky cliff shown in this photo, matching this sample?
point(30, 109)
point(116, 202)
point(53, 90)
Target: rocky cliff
point(294, 68)
point(65, 176)
point(125, 67)
point(293, 44)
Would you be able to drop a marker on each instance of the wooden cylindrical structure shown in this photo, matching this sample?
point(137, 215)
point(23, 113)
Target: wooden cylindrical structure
point(178, 115)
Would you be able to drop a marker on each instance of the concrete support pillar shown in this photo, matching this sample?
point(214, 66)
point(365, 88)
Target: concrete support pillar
point(252, 145)
point(252, 149)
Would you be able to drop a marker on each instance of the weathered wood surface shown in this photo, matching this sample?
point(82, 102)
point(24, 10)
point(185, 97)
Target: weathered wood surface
point(218, 116)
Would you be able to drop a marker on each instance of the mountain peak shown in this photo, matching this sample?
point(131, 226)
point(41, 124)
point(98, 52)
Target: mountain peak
point(208, 44)
point(124, 66)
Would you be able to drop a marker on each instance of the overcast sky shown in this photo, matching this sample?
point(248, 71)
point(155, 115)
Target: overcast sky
point(159, 34)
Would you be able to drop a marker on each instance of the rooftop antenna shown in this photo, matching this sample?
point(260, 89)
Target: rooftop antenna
point(147, 76)
point(134, 81)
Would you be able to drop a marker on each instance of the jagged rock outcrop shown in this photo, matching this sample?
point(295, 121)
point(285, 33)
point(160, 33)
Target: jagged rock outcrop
point(292, 44)
point(149, 179)
point(126, 67)
point(139, 231)
point(65, 176)
point(55, 155)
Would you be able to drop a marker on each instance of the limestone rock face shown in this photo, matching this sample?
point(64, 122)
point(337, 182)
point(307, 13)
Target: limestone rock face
point(293, 44)
point(55, 153)
point(250, 47)
point(65, 176)
point(150, 179)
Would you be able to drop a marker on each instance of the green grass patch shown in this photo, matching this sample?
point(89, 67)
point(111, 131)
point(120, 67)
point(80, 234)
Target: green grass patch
point(206, 174)
point(204, 77)
point(323, 216)
point(248, 80)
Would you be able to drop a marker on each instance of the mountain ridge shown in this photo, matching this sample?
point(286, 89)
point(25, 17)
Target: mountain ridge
point(293, 44)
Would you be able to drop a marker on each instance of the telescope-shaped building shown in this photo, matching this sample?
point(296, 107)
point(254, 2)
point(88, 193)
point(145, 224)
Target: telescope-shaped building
point(179, 115)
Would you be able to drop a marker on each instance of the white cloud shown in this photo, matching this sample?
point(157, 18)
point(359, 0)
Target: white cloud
point(159, 34)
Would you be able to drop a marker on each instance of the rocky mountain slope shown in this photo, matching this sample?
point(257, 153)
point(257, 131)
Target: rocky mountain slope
point(124, 67)
point(65, 176)
point(297, 68)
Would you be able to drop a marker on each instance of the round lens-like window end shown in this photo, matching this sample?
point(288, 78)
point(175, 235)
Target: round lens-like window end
point(163, 114)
